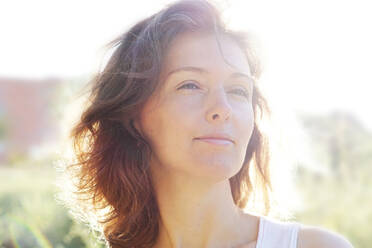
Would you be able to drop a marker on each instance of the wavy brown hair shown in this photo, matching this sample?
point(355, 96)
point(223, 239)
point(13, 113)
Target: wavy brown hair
point(111, 170)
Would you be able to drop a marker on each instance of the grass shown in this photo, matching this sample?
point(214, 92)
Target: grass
point(30, 216)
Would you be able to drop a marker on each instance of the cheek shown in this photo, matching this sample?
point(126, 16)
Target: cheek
point(168, 125)
point(245, 124)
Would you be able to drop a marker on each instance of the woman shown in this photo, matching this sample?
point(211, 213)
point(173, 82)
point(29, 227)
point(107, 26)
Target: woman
point(166, 147)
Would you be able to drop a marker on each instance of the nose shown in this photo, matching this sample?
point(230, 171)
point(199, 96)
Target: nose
point(219, 109)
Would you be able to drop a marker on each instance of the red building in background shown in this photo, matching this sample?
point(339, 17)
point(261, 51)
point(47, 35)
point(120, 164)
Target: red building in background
point(26, 114)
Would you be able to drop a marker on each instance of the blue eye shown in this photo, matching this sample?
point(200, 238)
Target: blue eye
point(188, 86)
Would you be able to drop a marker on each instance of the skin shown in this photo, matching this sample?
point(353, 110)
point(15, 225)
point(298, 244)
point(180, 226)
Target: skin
point(191, 177)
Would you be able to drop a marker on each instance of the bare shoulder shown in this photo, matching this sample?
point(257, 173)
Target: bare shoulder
point(317, 237)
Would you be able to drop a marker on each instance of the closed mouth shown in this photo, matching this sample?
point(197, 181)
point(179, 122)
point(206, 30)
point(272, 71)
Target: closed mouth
point(217, 141)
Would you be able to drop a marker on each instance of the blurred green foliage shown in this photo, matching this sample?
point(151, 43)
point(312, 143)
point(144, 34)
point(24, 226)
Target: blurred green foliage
point(3, 126)
point(339, 197)
point(29, 214)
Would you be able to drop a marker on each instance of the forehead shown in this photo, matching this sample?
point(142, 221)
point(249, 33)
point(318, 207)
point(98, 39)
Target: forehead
point(203, 50)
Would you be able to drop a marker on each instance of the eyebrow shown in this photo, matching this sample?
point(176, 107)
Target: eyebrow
point(203, 71)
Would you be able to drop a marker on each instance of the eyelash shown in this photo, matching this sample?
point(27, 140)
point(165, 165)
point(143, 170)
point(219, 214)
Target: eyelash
point(185, 85)
point(244, 93)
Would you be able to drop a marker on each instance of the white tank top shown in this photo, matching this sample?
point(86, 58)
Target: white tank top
point(276, 234)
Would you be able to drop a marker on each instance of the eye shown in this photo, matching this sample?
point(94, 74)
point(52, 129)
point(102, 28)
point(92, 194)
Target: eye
point(189, 85)
point(241, 92)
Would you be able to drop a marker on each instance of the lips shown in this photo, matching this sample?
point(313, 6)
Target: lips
point(219, 139)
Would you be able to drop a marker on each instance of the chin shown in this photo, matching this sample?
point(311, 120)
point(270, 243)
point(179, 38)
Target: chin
point(216, 170)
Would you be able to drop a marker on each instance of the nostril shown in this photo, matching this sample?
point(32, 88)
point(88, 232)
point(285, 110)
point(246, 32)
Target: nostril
point(214, 116)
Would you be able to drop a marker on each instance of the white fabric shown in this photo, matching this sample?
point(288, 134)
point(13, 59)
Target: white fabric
point(276, 234)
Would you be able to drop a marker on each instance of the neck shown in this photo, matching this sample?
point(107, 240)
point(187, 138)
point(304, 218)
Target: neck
point(197, 214)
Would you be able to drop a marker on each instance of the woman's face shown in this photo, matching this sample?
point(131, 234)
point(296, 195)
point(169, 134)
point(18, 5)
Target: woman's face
point(200, 95)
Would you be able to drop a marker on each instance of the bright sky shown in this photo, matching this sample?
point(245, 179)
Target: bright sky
point(317, 54)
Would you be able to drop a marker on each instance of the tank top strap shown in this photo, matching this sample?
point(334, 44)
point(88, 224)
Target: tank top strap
point(277, 234)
